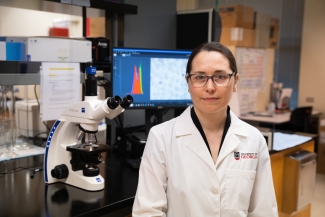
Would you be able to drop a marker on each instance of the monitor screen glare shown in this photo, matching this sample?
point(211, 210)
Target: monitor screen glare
point(155, 78)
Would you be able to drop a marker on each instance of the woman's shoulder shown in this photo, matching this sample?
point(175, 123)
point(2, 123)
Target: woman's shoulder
point(164, 127)
point(170, 125)
point(250, 129)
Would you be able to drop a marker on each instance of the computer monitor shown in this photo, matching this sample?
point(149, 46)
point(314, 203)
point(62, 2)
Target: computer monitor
point(155, 78)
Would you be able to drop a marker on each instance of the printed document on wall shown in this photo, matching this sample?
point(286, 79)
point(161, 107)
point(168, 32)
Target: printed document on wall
point(60, 88)
point(251, 64)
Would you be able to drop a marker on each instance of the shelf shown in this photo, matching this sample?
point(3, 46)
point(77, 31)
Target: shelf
point(26, 73)
point(14, 67)
point(26, 79)
point(106, 5)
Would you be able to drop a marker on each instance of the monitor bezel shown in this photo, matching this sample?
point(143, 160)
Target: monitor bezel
point(172, 106)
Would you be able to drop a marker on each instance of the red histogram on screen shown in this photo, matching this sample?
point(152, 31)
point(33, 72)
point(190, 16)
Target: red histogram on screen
point(137, 80)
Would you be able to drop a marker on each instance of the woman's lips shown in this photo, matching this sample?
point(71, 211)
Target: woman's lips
point(210, 99)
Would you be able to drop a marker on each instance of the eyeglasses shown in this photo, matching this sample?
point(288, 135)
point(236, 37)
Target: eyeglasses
point(199, 80)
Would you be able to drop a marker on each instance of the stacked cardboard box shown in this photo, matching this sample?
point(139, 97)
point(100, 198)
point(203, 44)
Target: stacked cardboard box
point(96, 27)
point(321, 148)
point(274, 33)
point(262, 29)
point(237, 25)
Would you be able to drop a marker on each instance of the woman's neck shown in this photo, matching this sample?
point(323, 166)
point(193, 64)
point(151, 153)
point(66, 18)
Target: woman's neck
point(212, 121)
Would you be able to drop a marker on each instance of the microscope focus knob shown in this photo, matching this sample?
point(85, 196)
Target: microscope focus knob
point(60, 171)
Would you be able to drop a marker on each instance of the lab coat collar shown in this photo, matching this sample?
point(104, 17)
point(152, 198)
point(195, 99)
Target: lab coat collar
point(185, 125)
point(236, 130)
point(194, 141)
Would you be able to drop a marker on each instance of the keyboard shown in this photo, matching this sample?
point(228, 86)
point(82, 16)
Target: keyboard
point(135, 163)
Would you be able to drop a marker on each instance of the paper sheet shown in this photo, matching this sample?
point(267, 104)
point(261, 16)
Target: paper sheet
point(251, 64)
point(283, 141)
point(60, 88)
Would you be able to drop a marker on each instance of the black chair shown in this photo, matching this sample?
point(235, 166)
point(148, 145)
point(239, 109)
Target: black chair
point(300, 119)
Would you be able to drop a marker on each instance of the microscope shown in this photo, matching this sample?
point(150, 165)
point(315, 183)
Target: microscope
point(72, 152)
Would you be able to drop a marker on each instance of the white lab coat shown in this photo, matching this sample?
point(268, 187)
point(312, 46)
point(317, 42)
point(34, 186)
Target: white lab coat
point(178, 177)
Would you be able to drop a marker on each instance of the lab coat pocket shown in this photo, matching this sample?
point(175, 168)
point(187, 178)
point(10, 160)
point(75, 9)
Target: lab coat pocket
point(239, 186)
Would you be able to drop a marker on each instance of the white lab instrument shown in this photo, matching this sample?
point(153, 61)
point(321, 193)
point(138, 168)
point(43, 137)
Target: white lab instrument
point(72, 151)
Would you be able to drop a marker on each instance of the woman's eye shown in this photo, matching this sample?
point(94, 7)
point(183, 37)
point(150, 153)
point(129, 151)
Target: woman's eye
point(199, 77)
point(221, 77)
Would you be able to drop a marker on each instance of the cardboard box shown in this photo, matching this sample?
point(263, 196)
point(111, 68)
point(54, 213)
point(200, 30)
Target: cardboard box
point(237, 36)
point(274, 33)
point(262, 25)
point(182, 5)
point(321, 147)
point(96, 27)
point(237, 16)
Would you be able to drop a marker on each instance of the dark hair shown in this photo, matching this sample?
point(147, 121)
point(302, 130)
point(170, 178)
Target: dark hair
point(212, 46)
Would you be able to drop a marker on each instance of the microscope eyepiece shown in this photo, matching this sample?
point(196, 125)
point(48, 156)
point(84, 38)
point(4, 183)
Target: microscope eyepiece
point(113, 102)
point(126, 101)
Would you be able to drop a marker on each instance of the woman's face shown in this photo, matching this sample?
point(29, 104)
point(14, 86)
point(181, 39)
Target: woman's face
point(211, 98)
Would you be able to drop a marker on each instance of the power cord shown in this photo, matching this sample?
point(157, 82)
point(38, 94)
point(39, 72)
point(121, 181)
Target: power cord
point(32, 174)
point(19, 169)
point(47, 127)
point(39, 140)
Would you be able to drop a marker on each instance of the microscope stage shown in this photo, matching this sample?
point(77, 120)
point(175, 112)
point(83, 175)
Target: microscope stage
point(86, 149)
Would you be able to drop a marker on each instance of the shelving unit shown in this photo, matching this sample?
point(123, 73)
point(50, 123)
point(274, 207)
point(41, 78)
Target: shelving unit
point(26, 73)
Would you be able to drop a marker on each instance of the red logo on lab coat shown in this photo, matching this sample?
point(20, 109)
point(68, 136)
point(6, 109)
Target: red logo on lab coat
point(236, 155)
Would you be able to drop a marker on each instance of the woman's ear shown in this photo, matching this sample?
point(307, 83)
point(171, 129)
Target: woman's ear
point(186, 77)
point(236, 80)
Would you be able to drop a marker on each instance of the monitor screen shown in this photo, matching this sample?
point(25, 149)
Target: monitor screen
point(155, 78)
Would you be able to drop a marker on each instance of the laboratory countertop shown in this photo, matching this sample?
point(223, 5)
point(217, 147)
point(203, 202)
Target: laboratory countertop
point(275, 119)
point(21, 195)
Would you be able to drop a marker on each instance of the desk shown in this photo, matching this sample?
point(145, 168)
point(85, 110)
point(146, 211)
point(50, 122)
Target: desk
point(276, 119)
point(277, 164)
point(22, 196)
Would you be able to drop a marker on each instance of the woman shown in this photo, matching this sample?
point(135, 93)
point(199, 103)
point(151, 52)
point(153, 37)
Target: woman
point(206, 162)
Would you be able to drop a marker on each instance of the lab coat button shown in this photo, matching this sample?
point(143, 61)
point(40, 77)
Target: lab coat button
point(214, 190)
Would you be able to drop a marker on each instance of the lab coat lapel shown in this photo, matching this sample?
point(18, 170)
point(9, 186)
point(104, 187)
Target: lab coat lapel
point(230, 143)
point(237, 129)
point(192, 138)
point(197, 145)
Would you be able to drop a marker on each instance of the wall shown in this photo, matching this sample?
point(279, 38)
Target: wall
point(312, 71)
point(30, 4)
point(287, 65)
point(287, 57)
point(24, 22)
point(153, 27)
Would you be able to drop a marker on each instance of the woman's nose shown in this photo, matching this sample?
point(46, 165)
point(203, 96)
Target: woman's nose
point(210, 86)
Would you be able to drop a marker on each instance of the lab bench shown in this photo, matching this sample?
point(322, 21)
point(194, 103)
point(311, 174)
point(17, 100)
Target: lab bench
point(22, 195)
